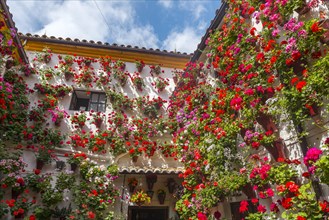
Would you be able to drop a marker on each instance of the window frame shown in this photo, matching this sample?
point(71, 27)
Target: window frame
point(75, 100)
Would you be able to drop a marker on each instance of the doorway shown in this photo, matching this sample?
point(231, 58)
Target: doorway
point(147, 213)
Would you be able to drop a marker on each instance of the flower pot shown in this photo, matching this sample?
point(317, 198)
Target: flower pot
point(40, 164)
point(161, 197)
point(46, 58)
point(132, 188)
point(60, 165)
point(135, 158)
point(68, 76)
point(150, 193)
point(139, 203)
point(171, 186)
point(98, 122)
point(150, 185)
point(140, 68)
point(74, 167)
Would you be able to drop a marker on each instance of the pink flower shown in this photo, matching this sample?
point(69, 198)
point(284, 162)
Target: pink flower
point(312, 155)
point(202, 216)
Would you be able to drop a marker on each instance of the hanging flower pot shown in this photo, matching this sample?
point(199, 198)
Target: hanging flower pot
point(98, 122)
point(161, 196)
point(150, 180)
point(60, 165)
point(171, 185)
point(68, 75)
point(40, 164)
point(74, 167)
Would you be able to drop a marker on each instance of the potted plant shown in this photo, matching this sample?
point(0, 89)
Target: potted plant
point(79, 119)
point(97, 118)
point(140, 197)
point(137, 81)
point(160, 84)
point(161, 196)
point(155, 69)
point(38, 182)
point(19, 207)
point(76, 159)
point(132, 183)
point(44, 56)
point(43, 156)
point(57, 115)
point(139, 65)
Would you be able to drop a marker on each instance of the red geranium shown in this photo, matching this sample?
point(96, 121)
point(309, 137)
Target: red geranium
point(315, 27)
point(243, 206)
point(286, 203)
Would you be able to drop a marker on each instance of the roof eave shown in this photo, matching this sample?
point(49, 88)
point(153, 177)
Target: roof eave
point(220, 13)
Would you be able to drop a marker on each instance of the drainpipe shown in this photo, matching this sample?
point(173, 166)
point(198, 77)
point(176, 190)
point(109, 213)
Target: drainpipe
point(122, 193)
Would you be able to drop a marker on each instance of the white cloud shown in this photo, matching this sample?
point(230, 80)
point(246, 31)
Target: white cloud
point(137, 36)
point(166, 3)
point(184, 41)
point(83, 20)
point(196, 8)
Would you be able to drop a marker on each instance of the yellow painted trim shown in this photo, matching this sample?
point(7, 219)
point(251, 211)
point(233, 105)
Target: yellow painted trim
point(127, 56)
point(6, 31)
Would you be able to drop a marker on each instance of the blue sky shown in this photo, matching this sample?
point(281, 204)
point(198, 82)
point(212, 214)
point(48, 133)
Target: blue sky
point(163, 24)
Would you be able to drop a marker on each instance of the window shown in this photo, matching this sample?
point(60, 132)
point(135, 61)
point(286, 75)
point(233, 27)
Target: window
point(83, 101)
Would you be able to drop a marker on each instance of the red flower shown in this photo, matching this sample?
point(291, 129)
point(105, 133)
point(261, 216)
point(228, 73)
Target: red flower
point(243, 206)
point(315, 27)
point(306, 174)
point(261, 209)
point(294, 80)
point(292, 187)
point(254, 201)
point(324, 206)
point(286, 203)
point(301, 218)
point(37, 171)
point(32, 217)
point(252, 31)
point(91, 215)
point(300, 85)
